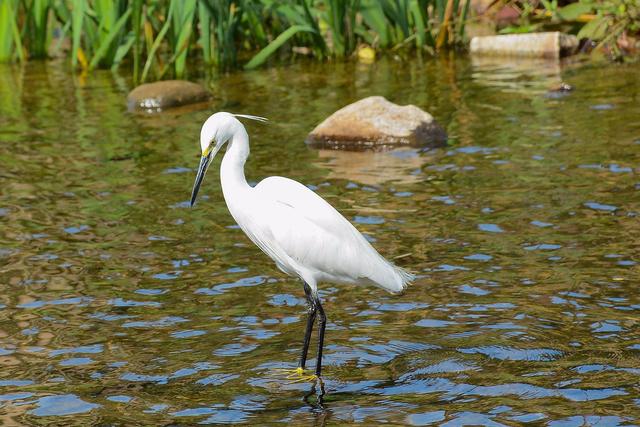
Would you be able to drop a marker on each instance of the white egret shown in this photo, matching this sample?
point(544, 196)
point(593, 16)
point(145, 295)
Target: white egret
point(299, 230)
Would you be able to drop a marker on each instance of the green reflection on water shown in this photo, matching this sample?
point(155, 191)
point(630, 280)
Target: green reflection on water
point(524, 231)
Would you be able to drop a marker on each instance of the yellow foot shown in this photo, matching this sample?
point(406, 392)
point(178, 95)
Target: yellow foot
point(298, 375)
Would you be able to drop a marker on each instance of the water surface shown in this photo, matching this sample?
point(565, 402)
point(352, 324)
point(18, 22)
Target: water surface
point(119, 305)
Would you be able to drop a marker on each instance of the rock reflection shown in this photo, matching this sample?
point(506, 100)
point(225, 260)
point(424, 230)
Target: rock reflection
point(401, 166)
point(519, 75)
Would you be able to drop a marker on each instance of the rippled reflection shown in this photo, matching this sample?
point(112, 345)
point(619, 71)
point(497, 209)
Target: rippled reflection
point(119, 305)
point(374, 167)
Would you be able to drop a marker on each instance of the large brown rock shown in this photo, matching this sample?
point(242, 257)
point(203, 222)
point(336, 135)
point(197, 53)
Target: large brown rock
point(166, 94)
point(375, 122)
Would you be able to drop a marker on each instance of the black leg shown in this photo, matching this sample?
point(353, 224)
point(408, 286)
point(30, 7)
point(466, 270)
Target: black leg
point(322, 320)
point(311, 317)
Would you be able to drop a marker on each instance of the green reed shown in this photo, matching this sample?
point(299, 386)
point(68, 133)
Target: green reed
point(158, 37)
point(10, 40)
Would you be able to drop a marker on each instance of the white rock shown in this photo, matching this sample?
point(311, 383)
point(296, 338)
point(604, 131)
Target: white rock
point(542, 45)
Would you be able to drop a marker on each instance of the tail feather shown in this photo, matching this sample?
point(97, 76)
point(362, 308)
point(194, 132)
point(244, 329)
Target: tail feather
point(392, 278)
point(405, 277)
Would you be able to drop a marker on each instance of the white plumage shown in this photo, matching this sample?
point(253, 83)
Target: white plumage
point(299, 230)
point(307, 237)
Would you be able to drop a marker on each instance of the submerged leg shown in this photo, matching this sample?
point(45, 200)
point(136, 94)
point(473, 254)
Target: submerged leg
point(311, 317)
point(319, 395)
point(322, 323)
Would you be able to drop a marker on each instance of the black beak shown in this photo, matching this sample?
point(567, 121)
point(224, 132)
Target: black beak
point(202, 170)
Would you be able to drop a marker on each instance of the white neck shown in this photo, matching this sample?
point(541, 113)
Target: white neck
point(232, 167)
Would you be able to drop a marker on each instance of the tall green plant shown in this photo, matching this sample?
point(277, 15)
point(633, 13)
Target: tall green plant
point(613, 19)
point(269, 50)
point(223, 18)
point(137, 17)
point(155, 45)
point(341, 19)
point(111, 18)
point(77, 17)
point(9, 35)
point(304, 29)
point(159, 36)
point(36, 28)
point(605, 22)
point(182, 26)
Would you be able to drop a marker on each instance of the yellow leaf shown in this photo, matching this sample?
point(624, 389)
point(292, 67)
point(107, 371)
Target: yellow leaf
point(148, 32)
point(82, 59)
point(366, 54)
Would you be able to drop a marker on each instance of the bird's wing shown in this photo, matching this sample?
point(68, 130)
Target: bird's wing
point(309, 205)
point(299, 223)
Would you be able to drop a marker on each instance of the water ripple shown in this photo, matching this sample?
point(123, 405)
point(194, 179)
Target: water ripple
point(512, 353)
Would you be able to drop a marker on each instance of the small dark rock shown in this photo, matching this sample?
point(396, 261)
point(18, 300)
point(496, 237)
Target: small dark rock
point(559, 91)
point(562, 87)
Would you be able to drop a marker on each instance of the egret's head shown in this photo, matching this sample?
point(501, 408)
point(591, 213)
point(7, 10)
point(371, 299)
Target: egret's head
point(216, 131)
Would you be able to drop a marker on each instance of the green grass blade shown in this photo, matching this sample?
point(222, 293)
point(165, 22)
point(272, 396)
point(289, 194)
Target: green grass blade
point(37, 28)
point(309, 19)
point(254, 23)
point(335, 19)
point(62, 14)
point(62, 37)
point(463, 19)
point(137, 36)
point(77, 14)
point(439, 9)
point(156, 44)
point(320, 46)
point(108, 12)
point(183, 25)
point(6, 33)
point(403, 14)
point(595, 29)
point(204, 16)
point(572, 11)
point(272, 47)
point(354, 7)
point(172, 60)
point(9, 32)
point(90, 30)
point(106, 43)
point(16, 36)
point(418, 20)
point(123, 49)
point(373, 16)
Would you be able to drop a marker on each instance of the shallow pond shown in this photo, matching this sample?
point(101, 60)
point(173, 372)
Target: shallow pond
point(119, 305)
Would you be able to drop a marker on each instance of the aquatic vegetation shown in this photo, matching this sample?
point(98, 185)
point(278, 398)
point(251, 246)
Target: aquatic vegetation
point(612, 23)
point(10, 39)
point(612, 26)
point(164, 34)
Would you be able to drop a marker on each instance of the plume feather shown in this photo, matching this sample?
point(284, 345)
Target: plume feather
point(250, 117)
